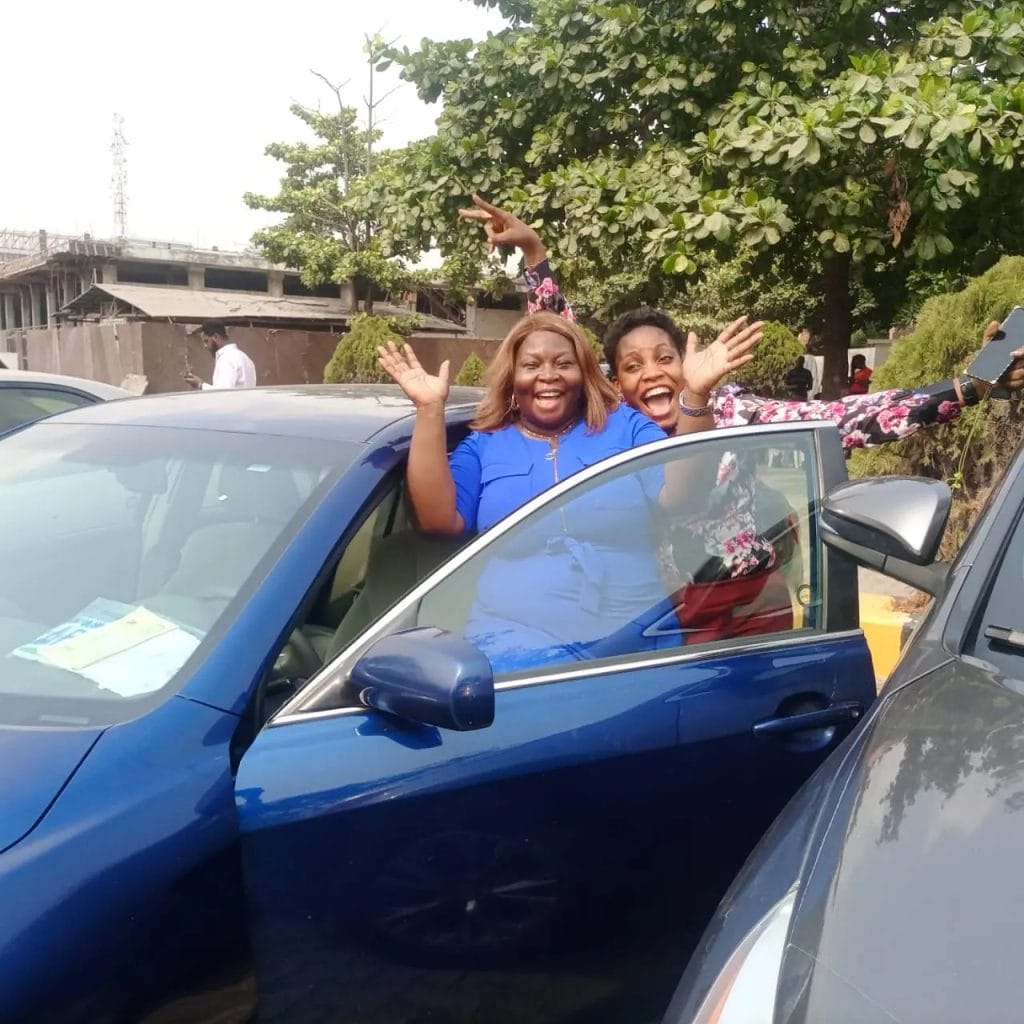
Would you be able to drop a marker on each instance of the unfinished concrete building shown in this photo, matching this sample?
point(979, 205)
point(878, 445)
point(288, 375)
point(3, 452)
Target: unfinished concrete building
point(105, 308)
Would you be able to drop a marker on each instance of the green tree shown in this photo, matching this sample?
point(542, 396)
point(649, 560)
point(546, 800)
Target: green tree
point(852, 139)
point(472, 372)
point(355, 357)
point(773, 358)
point(974, 452)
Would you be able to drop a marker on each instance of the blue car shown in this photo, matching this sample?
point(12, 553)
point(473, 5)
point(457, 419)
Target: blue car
point(242, 734)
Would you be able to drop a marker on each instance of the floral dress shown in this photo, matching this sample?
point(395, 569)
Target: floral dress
point(727, 532)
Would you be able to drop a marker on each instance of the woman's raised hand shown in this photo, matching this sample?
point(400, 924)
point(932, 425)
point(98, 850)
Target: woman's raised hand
point(404, 369)
point(504, 228)
point(703, 369)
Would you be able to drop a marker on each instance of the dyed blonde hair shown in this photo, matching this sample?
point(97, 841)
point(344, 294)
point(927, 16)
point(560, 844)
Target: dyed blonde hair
point(495, 410)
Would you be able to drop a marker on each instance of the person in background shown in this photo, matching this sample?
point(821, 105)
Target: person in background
point(798, 381)
point(232, 368)
point(860, 375)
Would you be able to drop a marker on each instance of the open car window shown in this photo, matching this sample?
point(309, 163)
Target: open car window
point(604, 573)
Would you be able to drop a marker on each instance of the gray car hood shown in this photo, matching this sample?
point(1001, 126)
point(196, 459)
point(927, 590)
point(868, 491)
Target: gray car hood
point(912, 908)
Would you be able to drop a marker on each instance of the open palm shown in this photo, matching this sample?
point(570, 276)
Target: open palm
point(704, 369)
point(405, 370)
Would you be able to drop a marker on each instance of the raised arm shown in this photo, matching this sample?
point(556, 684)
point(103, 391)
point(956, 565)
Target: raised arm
point(876, 418)
point(429, 475)
point(504, 228)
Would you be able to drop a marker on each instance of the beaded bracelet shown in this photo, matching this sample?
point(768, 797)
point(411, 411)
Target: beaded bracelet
point(689, 410)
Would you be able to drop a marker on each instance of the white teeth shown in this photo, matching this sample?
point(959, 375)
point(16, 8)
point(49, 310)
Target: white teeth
point(657, 392)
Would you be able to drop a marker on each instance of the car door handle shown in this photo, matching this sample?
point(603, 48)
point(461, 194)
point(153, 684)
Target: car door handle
point(841, 713)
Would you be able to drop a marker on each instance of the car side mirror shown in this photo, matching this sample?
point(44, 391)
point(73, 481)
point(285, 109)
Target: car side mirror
point(891, 524)
point(427, 675)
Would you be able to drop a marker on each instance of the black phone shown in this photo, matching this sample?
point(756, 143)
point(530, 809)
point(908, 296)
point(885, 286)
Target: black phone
point(996, 356)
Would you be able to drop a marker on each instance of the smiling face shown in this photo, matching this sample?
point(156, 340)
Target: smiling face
point(548, 382)
point(649, 374)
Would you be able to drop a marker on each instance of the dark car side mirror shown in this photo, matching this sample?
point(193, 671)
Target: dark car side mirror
point(891, 524)
point(429, 676)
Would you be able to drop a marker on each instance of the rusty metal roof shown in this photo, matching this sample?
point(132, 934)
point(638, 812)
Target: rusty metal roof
point(169, 302)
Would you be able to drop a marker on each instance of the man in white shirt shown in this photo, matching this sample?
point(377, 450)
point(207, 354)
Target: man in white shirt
point(232, 368)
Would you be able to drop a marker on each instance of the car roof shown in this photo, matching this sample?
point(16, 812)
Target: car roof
point(342, 412)
point(98, 389)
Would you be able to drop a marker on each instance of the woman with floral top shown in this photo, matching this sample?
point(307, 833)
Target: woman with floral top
point(643, 349)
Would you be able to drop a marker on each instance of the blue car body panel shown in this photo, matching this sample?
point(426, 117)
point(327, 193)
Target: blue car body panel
point(562, 839)
point(129, 875)
point(574, 826)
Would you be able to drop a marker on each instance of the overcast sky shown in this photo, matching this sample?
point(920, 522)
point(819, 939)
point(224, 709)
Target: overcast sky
point(202, 86)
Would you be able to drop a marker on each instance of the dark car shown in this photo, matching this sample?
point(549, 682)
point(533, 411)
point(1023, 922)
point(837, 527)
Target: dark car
point(889, 889)
point(26, 396)
point(221, 638)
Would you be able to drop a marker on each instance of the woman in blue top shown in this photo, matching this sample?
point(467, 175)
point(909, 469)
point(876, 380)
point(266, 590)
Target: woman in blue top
point(548, 412)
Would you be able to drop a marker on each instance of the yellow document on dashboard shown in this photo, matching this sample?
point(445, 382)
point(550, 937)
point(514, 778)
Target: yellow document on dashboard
point(79, 652)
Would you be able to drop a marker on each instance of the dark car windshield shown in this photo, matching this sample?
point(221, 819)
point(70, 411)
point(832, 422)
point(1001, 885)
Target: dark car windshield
point(121, 549)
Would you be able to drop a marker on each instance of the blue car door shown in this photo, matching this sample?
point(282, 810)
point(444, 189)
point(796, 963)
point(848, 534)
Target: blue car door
point(557, 864)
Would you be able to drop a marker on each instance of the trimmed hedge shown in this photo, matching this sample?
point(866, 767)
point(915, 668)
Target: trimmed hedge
point(355, 357)
point(773, 358)
point(948, 333)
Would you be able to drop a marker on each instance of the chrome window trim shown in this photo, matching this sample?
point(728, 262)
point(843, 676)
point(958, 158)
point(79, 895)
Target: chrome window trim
point(586, 670)
point(320, 685)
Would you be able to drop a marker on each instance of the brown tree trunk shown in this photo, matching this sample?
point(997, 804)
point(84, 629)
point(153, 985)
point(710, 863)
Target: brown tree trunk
point(838, 324)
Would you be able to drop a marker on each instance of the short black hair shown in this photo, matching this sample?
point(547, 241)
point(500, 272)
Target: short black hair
point(645, 316)
point(214, 328)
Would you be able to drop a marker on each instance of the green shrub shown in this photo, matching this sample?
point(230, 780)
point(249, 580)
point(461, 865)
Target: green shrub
point(355, 357)
point(773, 358)
point(948, 333)
point(472, 372)
point(859, 339)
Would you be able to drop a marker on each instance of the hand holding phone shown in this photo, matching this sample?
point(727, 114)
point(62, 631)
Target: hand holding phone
point(997, 356)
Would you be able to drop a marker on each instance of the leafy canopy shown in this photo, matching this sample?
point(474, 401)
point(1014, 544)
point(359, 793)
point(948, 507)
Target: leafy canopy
point(651, 138)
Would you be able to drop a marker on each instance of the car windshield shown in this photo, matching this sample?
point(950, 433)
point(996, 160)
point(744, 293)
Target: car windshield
point(123, 547)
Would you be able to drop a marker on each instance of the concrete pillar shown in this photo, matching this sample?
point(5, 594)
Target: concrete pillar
point(108, 273)
point(85, 280)
point(348, 294)
point(33, 306)
point(51, 305)
point(471, 316)
point(8, 311)
point(275, 283)
point(196, 277)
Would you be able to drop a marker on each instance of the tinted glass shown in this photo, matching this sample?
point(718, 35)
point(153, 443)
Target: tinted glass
point(997, 635)
point(610, 571)
point(124, 547)
point(23, 404)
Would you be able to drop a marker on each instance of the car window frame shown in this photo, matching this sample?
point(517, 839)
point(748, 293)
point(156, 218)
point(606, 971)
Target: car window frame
point(979, 562)
point(314, 701)
point(57, 389)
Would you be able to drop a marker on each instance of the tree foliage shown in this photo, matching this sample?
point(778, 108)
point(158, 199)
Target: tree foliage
point(773, 358)
point(472, 372)
point(651, 138)
point(355, 357)
point(974, 452)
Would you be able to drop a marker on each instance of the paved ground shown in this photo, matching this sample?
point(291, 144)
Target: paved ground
point(872, 582)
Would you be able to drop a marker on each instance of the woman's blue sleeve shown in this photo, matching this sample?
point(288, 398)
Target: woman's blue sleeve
point(465, 466)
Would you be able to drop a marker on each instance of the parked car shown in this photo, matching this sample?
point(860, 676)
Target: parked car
point(220, 636)
point(888, 889)
point(26, 396)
